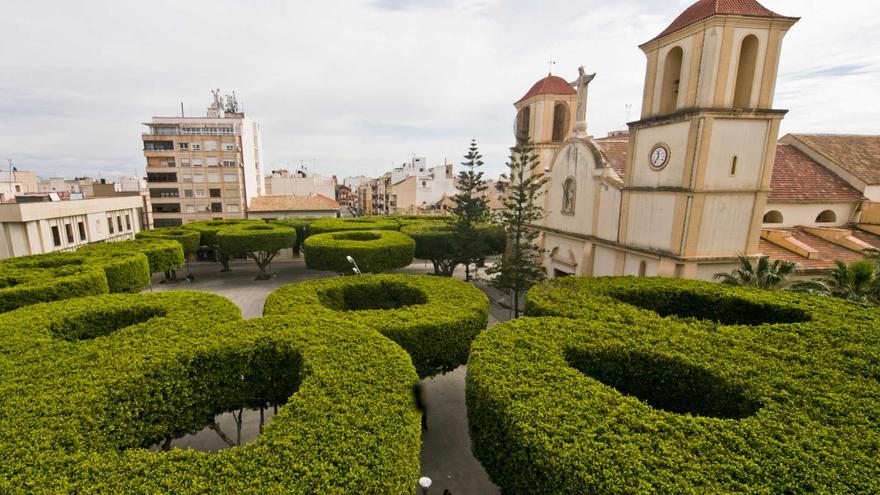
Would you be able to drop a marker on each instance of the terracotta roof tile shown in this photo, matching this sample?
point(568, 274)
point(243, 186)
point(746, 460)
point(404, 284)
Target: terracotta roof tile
point(707, 8)
point(615, 148)
point(858, 155)
point(550, 85)
point(796, 177)
point(278, 202)
point(828, 251)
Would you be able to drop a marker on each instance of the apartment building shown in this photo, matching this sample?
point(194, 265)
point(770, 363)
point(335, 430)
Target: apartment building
point(203, 168)
point(300, 183)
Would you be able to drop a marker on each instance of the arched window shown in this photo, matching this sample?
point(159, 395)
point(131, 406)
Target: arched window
point(523, 123)
point(560, 121)
point(773, 216)
point(671, 81)
point(826, 216)
point(569, 192)
point(643, 268)
point(745, 73)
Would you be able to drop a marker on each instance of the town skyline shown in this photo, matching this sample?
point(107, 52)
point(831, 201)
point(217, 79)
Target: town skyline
point(385, 80)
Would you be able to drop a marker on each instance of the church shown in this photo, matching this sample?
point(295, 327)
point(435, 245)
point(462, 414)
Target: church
point(702, 176)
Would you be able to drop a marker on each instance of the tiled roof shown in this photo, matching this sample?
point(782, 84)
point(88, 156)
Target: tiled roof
point(858, 155)
point(550, 85)
point(614, 148)
point(315, 202)
point(707, 8)
point(828, 251)
point(797, 177)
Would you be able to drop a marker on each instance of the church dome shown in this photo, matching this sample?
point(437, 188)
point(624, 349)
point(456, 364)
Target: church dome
point(550, 85)
point(705, 9)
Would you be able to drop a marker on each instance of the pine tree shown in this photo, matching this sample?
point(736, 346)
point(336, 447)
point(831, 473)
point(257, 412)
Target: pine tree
point(470, 210)
point(520, 266)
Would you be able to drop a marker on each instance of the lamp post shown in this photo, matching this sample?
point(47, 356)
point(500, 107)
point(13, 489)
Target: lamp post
point(355, 269)
point(424, 484)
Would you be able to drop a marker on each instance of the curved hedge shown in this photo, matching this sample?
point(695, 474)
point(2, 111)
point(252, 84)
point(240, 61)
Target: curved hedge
point(325, 225)
point(208, 229)
point(434, 319)
point(161, 254)
point(301, 225)
point(734, 390)
point(41, 278)
point(248, 237)
point(94, 381)
point(374, 251)
point(189, 239)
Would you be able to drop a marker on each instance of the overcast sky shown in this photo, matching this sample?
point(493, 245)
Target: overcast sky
point(351, 87)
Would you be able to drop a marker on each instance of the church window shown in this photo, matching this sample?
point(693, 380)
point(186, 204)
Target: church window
point(826, 216)
point(560, 121)
point(569, 191)
point(773, 216)
point(523, 123)
point(733, 166)
point(671, 81)
point(745, 73)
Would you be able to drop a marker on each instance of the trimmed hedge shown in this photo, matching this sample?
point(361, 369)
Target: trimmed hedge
point(404, 220)
point(41, 278)
point(732, 391)
point(325, 225)
point(434, 240)
point(301, 225)
point(248, 238)
point(208, 229)
point(94, 381)
point(434, 319)
point(374, 251)
point(189, 239)
point(162, 255)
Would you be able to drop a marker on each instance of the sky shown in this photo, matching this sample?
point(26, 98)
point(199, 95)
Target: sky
point(354, 87)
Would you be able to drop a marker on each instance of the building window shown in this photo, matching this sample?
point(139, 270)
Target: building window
point(231, 193)
point(671, 80)
point(733, 166)
point(127, 222)
point(196, 147)
point(230, 177)
point(773, 216)
point(228, 163)
point(523, 123)
point(197, 162)
point(215, 193)
point(210, 145)
point(158, 146)
point(200, 193)
point(82, 230)
point(17, 188)
point(232, 208)
point(198, 177)
point(167, 222)
point(826, 216)
point(187, 193)
point(183, 146)
point(561, 117)
point(228, 146)
point(110, 221)
point(216, 207)
point(184, 162)
point(745, 73)
point(569, 193)
point(68, 229)
point(56, 236)
point(190, 209)
point(213, 177)
point(213, 161)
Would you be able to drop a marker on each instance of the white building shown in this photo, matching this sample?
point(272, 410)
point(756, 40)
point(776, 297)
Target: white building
point(300, 183)
point(15, 182)
point(44, 224)
point(311, 206)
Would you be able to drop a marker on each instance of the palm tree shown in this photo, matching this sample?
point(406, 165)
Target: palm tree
point(858, 281)
point(763, 274)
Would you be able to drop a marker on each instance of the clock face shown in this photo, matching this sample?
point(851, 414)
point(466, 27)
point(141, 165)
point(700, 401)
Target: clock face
point(659, 156)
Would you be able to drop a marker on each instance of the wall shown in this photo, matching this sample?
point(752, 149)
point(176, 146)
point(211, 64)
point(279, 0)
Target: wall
point(805, 214)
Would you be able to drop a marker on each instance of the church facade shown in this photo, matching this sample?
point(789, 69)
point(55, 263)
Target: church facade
point(690, 185)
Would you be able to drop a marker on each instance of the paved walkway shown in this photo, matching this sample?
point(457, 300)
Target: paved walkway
point(446, 455)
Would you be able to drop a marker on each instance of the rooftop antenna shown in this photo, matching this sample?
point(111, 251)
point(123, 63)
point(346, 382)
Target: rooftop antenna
point(181, 110)
point(626, 112)
point(551, 63)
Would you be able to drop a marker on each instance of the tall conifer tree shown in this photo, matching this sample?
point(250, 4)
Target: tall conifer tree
point(520, 266)
point(470, 210)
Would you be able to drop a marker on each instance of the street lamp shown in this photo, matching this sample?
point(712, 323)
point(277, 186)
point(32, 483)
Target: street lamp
point(356, 270)
point(425, 483)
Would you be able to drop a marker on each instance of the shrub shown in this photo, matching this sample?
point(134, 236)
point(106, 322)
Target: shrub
point(208, 229)
point(434, 319)
point(41, 278)
point(260, 242)
point(325, 225)
point(435, 241)
point(301, 225)
point(669, 386)
point(93, 381)
point(374, 251)
point(162, 255)
point(404, 220)
point(189, 239)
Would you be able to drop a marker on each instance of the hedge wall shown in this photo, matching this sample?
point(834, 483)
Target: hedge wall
point(374, 251)
point(301, 225)
point(668, 386)
point(32, 279)
point(434, 240)
point(325, 225)
point(248, 237)
point(94, 381)
point(162, 255)
point(208, 229)
point(434, 319)
point(189, 239)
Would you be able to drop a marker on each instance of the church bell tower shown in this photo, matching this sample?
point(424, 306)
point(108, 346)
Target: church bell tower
point(700, 159)
point(546, 114)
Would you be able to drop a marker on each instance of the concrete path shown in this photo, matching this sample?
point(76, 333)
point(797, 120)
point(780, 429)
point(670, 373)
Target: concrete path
point(446, 454)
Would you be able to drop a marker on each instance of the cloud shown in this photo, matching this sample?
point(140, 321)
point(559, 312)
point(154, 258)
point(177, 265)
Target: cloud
point(353, 86)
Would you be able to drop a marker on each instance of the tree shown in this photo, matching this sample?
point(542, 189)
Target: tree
point(520, 265)
point(858, 282)
point(763, 274)
point(470, 211)
point(260, 242)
